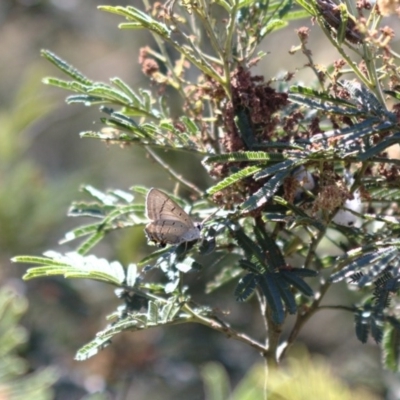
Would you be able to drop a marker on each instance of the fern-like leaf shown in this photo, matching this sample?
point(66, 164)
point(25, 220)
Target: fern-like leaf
point(262, 195)
point(294, 279)
point(248, 156)
point(73, 265)
point(273, 255)
point(378, 260)
point(361, 319)
point(391, 347)
point(271, 292)
point(246, 286)
point(234, 178)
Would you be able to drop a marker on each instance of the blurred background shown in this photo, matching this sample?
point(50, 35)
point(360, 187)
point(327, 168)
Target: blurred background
point(43, 162)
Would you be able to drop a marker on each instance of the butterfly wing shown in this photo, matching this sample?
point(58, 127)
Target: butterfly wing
point(160, 206)
point(169, 222)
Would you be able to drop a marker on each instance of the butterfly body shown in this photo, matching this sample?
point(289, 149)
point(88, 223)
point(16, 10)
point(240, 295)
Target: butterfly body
point(169, 223)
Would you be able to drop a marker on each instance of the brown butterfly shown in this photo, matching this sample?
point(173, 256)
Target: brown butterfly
point(169, 223)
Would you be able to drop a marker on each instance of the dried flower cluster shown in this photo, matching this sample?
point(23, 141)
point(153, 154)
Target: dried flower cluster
point(259, 102)
point(389, 7)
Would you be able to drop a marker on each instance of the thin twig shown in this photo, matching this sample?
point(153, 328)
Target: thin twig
point(173, 173)
point(224, 328)
point(349, 61)
point(274, 330)
point(303, 318)
point(337, 307)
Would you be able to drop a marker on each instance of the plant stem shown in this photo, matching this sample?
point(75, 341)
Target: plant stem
point(224, 328)
point(274, 335)
point(173, 173)
point(349, 61)
point(274, 330)
point(303, 318)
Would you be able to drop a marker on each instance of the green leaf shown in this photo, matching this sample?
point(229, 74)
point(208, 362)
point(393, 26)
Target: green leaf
point(369, 129)
point(279, 146)
point(131, 275)
point(350, 133)
point(65, 67)
point(361, 319)
point(114, 214)
point(87, 100)
point(256, 267)
point(391, 348)
point(130, 25)
point(271, 291)
point(378, 148)
point(307, 92)
point(170, 310)
point(244, 156)
point(74, 265)
point(344, 17)
point(285, 7)
point(93, 210)
point(393, 93)
point(249, 247)
point(105, 198)
point(92, 348)
point(273, 255)
point(67, 85)
point(273, 25)
point(376, 322)
point(246, 286)
point(304, 272)
point(231, 179)
point(317, 104)
point(244, 126)
point(90, 242)
point(111, 94)
point(133, 322)
point(152, 312)
point(286, 294)
point(308, 6)
point(129, 92)
point(378, 260)
point(262, 196)
point(273, 169)
point(295, 15)
point(139, 17)
point(365, 98)
point(295, 280)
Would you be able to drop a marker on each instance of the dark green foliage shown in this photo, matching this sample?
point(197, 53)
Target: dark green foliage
point(243, 124)
point(286, 293)
point(269, 271)
point(362, 318)
point(270, 288)
point(259, 198)
point(295, 279)
point(374, 262)
point(246, 287)
point(373, 316)
point(274, 169)
point(391, 345)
